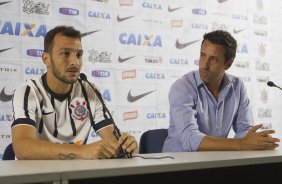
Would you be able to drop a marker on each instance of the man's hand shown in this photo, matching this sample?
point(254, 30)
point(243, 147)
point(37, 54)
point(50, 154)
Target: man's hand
point(258, 140)
point(101, 149)
point(128, 143)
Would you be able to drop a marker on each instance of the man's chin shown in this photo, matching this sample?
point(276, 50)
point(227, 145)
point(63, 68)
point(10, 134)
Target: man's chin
point(72, 81)
point(204, 77)
point(69, 80)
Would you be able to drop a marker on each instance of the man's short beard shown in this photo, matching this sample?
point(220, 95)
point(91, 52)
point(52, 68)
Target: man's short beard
point(59, 76)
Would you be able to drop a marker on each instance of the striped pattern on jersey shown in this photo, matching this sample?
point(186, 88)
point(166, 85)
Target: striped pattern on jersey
point(58, 118)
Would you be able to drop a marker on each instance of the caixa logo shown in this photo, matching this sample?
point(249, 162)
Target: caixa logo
point(152, 6)
point(140, 39)
point(68, 11)
point(100, 73)
point(178, 61)
point(155, 76)
point(99, 15)
point(199, 11)
point(199, 26)
point(34, 52)
point(34, 71)
point(23, 29)
point(156, 115)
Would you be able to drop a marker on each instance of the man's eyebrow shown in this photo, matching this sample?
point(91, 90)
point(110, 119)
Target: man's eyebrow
point(70, 49)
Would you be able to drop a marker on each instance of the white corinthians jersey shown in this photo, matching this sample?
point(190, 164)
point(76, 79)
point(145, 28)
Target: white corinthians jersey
point(59, 118)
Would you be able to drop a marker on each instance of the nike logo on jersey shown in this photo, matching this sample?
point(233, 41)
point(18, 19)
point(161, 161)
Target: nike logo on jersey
point(131, 98)
point(124, 18)
point(3, 50)
point(121, 60)
point(88, 33)
point(169, 9)
point(183, 45)
point(4, 97)
point(46, 113)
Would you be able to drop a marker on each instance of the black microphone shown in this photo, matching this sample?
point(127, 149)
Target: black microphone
point(271, 84)
point(116, 130)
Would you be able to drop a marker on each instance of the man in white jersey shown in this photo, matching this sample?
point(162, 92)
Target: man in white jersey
point(54, 114)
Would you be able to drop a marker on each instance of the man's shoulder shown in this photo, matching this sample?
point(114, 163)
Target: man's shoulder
point(30, 83)
point(187, 79)
point(187, 83)
point(235, 80)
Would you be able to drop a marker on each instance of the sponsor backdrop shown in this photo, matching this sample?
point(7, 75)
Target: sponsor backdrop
point(135, 50)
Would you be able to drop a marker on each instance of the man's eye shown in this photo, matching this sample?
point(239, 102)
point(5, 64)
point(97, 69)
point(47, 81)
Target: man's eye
point(79, 55)
point(214, 60)
point(66, 53)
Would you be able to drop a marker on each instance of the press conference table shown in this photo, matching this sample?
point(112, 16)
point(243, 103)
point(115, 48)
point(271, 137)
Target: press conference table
point(217, 166)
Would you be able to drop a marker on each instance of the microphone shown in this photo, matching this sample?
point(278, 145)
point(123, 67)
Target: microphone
point(116, 131)
point(271, 84)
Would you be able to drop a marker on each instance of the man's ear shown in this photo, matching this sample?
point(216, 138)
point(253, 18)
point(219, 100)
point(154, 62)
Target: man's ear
point(228, 64)
point(46, 59)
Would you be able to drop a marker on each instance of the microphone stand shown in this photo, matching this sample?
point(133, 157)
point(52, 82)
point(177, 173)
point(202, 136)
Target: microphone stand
point(116, 131)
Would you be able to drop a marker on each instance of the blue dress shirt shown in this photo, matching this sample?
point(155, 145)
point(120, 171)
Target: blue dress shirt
point(195, 112)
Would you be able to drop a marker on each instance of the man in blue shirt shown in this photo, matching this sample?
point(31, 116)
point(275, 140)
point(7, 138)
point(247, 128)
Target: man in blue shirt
point(206, 103)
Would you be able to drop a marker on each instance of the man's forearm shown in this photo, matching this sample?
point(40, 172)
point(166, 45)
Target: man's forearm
point(210, 143)
point(37, 149)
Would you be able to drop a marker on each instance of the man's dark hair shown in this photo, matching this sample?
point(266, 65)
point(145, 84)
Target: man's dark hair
point(225, 39)
point(68, 31)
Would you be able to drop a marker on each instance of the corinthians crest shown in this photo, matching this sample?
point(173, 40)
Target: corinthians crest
point(79, 110)
point(101, 57)
point(37, 8)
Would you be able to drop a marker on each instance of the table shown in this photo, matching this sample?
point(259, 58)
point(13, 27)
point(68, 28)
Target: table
point(195, 166)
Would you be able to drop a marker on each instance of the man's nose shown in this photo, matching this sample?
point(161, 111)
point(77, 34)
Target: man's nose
point(74, 60)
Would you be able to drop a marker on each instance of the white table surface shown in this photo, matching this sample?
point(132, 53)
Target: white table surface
point(20, 171)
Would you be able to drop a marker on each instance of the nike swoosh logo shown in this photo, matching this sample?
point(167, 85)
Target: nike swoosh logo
point(5, 2)
point(121, 60)
point(124, 18)
point(46, 113)
point(88, 33)
point(3, 50)
point(183, 45)
point(131, 98)
point(4, 97)
point(169, 9)
point(237, 31)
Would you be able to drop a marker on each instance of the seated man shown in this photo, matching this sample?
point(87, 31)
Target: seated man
point(54, 114)
point(206, 103)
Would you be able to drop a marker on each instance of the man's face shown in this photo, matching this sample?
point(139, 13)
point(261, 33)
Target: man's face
point(65, 59)
point(212, 63)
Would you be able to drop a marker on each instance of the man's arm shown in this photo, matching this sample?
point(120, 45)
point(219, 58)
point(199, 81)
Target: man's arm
point(252, 141)
point(27, 146)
